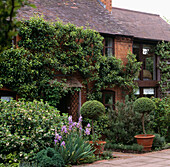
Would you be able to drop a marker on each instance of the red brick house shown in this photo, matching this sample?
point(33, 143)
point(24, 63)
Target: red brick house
point(123, 30)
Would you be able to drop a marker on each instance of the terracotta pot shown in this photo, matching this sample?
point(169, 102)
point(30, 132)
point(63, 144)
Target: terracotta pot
point(145, 140)
point(98, 146)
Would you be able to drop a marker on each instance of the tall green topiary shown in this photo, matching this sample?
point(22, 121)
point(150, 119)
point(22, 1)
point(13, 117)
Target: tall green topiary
point(144, 105)
point(92, 109)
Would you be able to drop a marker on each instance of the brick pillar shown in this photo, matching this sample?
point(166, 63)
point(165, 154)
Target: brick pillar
point(108, 4)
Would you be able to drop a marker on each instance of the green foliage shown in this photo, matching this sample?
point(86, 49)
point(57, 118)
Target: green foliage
point(122, 147)
point(27, 127)
point(143, 105)
point(71, 143)
point(10, 160)
point(158, 142)
point(162, 116)
point(76, 149)
point(49, 49)
point(163, 50)
point(49, 158)
point(92, 109)
point(123, 123)
point(8, 22)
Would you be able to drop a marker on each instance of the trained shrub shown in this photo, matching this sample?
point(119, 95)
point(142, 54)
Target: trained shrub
point(27, 127)
point(144, 105)
point(92, 109)
point(49, 158)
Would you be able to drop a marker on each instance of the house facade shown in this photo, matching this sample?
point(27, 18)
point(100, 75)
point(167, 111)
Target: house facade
point(123, 31)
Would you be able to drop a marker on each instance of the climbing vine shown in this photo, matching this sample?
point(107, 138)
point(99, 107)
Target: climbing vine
point(163, 50)
point(48, 50)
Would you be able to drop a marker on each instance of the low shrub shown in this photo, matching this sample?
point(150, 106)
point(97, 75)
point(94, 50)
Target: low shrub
point(158, 142)
point(27, 127)
point(49, 158)
point(122, 147)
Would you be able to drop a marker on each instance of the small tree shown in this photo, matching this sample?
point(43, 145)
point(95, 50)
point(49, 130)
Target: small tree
point(93, 110)
point(144, 105)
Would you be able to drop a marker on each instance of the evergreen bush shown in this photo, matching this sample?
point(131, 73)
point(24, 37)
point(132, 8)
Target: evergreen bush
point(123, 123)
point(49, 158)
point(27, 127)
point(92, 109)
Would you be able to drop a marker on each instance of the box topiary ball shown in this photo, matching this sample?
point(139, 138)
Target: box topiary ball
point(143, 105)
point(92, 109)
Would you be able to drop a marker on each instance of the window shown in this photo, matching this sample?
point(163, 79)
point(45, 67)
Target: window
point(148, 77)
point(108, 49)
point(148, 59)
point(7, 95)
point(109, 99)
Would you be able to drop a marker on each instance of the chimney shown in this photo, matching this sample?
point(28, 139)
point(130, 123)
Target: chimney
point(106, 4)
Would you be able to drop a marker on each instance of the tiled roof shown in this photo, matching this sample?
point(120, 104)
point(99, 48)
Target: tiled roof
point(79, 12)
point(142, 25)
point(90, 13)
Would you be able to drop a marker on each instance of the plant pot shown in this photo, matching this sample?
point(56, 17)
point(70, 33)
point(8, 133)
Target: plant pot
point(98, 146)
point(145, 140)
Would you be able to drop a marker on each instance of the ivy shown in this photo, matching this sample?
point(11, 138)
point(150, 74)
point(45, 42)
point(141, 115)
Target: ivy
point(163, 50)
point(47, 50)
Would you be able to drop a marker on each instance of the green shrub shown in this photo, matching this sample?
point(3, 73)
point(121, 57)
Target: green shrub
point(27, 127)
point(143, 105)
point(162, 117)
point(92, 109)
point(123, 123)
point(49, 158)
point(122, 147)
point(158, 142)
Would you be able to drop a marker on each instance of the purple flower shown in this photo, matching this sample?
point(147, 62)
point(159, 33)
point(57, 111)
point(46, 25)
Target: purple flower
point(70, 127)
point(70, 119)
point(58, 137)
point(78, 125)
point(87, 131)
point(55, 141)
point(80, 118)
point(80, 128)
point(74, 124)
point(88, 125)
point(64, 128)
point(63, 143)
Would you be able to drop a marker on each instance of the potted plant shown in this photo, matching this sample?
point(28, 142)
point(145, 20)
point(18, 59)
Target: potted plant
point(93, 109)
point(144, 105)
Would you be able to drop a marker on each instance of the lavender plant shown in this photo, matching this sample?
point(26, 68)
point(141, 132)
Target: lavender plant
point(71, 142)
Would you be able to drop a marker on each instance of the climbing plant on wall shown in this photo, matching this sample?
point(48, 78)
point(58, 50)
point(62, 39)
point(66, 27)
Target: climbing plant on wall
point(163, 50)
point(48, 49)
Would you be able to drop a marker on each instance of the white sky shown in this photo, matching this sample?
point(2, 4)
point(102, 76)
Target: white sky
point(161, 7)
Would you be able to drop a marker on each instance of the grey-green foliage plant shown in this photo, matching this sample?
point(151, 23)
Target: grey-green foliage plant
point(144, 105)
point(158, 142)
point(76, 149)
point(92, 109)
point(123, 122)
point(49, 157)
point(27, 127)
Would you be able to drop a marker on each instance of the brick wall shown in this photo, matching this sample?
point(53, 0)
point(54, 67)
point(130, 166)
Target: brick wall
point(122, 46)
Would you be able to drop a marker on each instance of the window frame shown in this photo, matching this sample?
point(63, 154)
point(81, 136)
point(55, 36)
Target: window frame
point(107, 47)
point(104, 95)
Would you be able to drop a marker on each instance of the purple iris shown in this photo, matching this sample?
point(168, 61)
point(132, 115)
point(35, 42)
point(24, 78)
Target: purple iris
point(88, 125)
point(80, 118)
point(63, 143)
point(64, 128)
point(70, 119)
point(87, 131)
